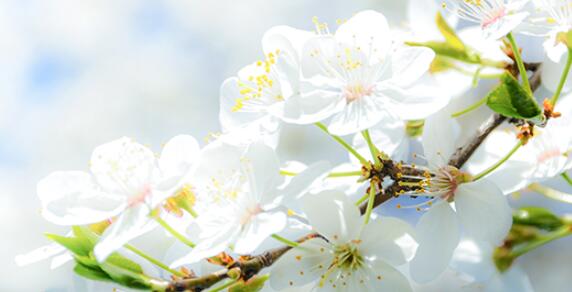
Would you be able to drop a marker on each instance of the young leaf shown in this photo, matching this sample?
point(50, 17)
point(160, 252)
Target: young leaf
point(255, 284)
point(77, 246)
point(449, 34)
point(91, 273)
point(511, 100)
point(445, 49)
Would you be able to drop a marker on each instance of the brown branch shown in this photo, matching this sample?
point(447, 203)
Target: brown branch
point(462, 154)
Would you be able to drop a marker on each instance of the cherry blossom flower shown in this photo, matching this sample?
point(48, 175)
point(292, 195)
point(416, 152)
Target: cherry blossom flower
point(497, 18)
point(125, 184)
point(356, 78)
point(244, 196)
point(58, 254)
point(352, 258)
point(255, 100)
point(480, 211)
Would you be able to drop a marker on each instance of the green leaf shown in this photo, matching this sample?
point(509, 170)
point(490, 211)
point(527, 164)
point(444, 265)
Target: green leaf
point(85, 234)
point(95, 274)
point(449, 34)
point(255, 284)
point(124, 271)
point(445, 49)
point(537, 217)
point(511, 100)
point(77, 246)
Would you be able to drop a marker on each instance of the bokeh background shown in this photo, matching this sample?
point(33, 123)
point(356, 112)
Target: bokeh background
point(76, 74)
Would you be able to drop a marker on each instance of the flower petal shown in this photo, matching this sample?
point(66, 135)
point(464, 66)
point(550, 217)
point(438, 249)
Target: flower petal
point(383, 277)
point(39, 254)
point(123, 166)
point(261, 165)
point(302, 182)
point(483, 211)
point(301, 265)
point(440, 134)
point(232, 112)
point(359, 115)
point(333, 215)
point(437, 235)
point(515, 279)
point(388, 135)
point(408, 64)
point(73, 198)
point(178, 155)
point(369, 31)
point(475, 259)
point(380, 239)
point(134, 222)
point(259, 229)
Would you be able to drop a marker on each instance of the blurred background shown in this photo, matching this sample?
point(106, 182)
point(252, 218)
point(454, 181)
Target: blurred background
point(76, 74)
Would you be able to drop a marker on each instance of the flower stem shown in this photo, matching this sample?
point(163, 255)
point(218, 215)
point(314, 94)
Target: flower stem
point(174, 232)
point(562, 78)
point(499, 163)
point(519, 63)
point(551, 193)
point(223, 286)
point(372, 149)
point(362, 199)
point(343, 143)
point(567, 178)
point(542, 240)
point(284, 240)
point(471, 108)
point(153, 260)
point(369, 202)
point(332, 174)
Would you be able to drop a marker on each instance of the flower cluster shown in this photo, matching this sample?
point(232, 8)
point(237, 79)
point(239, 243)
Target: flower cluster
point(379, 92)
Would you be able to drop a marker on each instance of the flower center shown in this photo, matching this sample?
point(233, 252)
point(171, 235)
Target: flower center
point(493, 17)
point(356, 91)
point(445, 182)
point(140, 197)
point(347, 256)
point(250, 213)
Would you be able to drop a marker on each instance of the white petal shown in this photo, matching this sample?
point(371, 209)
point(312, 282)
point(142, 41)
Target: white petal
point(261, 165)
point(216, 235)
point(389, 136)
point(134, 222)
point(413, 103)
point(474, 258)
point(260, 228)
point(551, 73)
point(437, 235)
point(286, 39)
point(503, 26)
point(483, 211)
point(230, 115)
point(312, 107)
point(178, 155)
point(123, 166)
point(515, 279)
point(301, 265)
point(359, 115)
point(369, 31)
point(380, 239)
point(301, 183)
point(73, 198)
point(39, 254)
point(333, 215)
point(408, 64)
point(383, 277)
point(215, 159)
point(440, 134)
